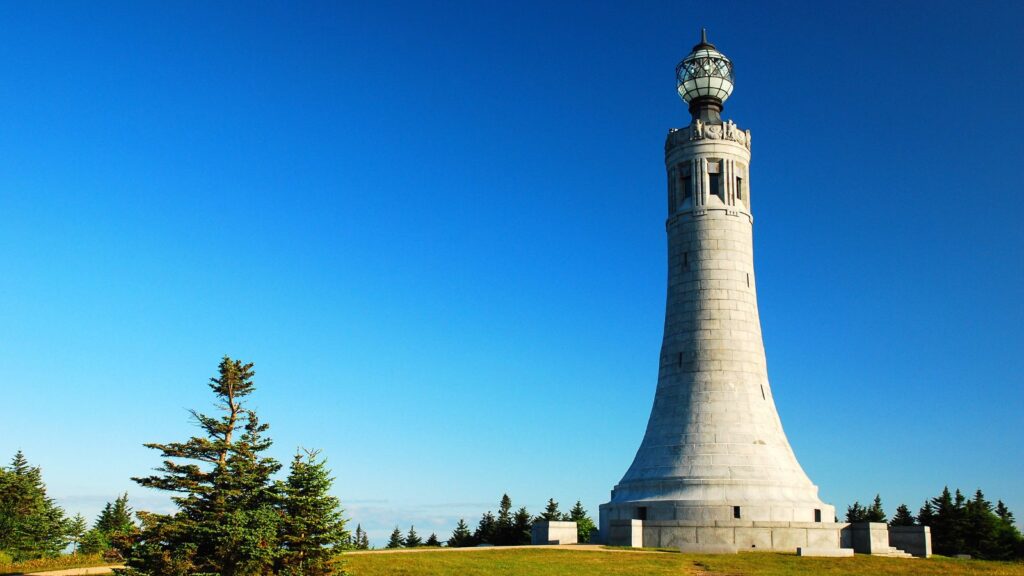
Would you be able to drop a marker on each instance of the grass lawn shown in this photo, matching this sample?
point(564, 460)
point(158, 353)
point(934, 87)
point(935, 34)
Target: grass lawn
point(58, 563)
point(545, 562)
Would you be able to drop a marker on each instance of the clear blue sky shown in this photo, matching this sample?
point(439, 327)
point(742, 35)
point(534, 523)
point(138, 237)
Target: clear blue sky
point(438, 231)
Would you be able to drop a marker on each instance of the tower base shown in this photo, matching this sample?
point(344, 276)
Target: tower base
point(725, 536)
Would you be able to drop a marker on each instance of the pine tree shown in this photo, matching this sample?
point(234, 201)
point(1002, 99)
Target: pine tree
point(227, 520)
point(31, 524)
point(433, 542)
point(522, 522)
point(396, 540)
point(461, 536)
point(312, 528)
point(412, 539)
point(875, 513)
point(551, 512)
point(76, 531)
point(364, 544)
point(903, 517)
point(485, 529)
point(584, 524)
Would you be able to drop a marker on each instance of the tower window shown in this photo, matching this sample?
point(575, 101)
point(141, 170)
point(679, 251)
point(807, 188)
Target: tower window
point(739, 188)
point(716, 184)
point(735, 511)
point(685, 186)
point(817, 515)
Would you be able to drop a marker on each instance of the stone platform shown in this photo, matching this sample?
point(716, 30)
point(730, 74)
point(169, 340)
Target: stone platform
point(738, 535)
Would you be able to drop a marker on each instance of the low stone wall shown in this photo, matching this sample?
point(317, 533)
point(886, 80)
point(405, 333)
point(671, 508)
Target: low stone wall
point(545, 532)
point(915, 540)
point(738, 534)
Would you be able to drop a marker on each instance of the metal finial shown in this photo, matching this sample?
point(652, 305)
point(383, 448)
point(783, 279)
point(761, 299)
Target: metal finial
point(703, 35)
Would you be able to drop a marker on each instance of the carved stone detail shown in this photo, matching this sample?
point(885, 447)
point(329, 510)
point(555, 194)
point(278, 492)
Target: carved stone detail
point(704, 131)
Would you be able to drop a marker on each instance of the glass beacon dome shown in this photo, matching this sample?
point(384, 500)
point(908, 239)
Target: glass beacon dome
point(705, 73)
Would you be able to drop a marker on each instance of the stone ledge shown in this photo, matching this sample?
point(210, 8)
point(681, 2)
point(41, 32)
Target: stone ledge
point(825, 552)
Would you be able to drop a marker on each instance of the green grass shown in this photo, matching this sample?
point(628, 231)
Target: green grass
point(58, 563)
point(548, 562)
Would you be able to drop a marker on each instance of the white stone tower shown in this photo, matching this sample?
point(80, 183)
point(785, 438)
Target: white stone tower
point(715, 467)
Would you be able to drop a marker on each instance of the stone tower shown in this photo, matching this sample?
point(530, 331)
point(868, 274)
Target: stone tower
point(715, 467)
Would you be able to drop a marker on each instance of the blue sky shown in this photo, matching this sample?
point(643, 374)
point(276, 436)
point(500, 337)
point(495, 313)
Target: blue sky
point(438, 231)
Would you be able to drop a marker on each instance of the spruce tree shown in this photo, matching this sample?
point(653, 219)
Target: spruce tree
point(981, 526)
point(551, 512)
point(875, 513)
point(1004, 513)
point(396, 540)
point(485, 529)
point(461, 536)
point(584, 524)
point(503, 524)
point(856, 513)
point(903, 517)
point(76, 529)
point(227, 521)
point(412, 539)
point(522, 522)
point(312, 527)
point(360, 541)
point(31, 523)
point(926, 515)
point(433, 542)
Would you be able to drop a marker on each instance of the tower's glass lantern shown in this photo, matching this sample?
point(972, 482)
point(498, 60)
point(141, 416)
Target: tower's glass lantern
point(704, 80)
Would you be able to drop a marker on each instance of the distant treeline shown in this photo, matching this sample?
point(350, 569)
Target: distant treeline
point(958, 525)
point(507, 528)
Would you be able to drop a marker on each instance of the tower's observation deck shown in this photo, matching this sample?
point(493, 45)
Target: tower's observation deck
point(714, 451)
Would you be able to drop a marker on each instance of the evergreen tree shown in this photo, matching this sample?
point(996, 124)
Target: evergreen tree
point(433, 542)
point(412, 539)
point(76, 531)
point(947, 523)
point(227, 521)
point(31, 523)
point(503, 525)
point(312, 528)
point(856, 513)
point(522, 522)
point(903, 517)
point(584, 524)
point(485, 529)
point(360, 541)
point(926, 515)
point(1004, 513)
point(551, 512)
point(981, 527)
point(116, 517)
point(875, 513)
point(396, 540)
point(461, 536)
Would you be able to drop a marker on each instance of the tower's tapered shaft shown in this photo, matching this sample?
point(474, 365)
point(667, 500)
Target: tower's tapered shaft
point(714, 450)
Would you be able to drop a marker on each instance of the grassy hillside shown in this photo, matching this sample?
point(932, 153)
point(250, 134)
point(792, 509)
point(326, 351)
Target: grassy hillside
point(549, 562)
